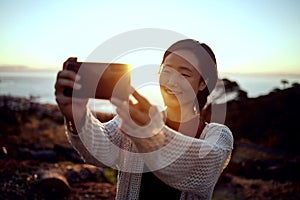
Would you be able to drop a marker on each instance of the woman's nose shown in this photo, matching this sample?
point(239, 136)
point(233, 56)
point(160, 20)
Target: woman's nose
point(172, 80)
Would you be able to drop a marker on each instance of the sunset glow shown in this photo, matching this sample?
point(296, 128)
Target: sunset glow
point(247, 37)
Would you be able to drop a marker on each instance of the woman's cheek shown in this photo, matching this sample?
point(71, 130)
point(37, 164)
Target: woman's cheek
point(189, 92)
point(162, 79)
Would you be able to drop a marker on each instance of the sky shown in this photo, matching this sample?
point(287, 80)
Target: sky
point(258, 36)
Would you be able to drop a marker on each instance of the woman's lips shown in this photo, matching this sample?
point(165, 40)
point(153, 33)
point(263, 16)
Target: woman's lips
point(171, 91)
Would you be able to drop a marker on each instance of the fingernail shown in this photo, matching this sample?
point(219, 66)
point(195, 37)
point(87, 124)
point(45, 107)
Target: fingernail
point(132, 90)
point(113, 100)
point(77, 77)
point(77, 86)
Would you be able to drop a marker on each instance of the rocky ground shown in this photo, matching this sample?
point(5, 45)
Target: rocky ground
point(37, 162)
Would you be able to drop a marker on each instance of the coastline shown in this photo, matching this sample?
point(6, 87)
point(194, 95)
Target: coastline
point(39, 84)
point(33, 143)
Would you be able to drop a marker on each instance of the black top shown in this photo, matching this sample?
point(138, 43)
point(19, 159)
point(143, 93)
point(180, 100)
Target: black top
point(151, 186)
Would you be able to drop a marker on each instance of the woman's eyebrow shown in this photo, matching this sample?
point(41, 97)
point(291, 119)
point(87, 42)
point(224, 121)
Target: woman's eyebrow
point(185, 68)
point(182, 67)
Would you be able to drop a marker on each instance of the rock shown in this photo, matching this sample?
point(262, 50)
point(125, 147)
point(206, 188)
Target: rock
point(52, 184)
point(67, 153)
point(41, 155)
point(84, 172)
point(270, 120)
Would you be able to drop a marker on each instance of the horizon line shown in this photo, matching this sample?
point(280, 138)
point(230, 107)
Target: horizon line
point(11, 68)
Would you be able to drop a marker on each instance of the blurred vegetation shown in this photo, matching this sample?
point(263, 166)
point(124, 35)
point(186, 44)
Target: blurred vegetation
point(265, 162)
point(110, 175)
point(270, 120)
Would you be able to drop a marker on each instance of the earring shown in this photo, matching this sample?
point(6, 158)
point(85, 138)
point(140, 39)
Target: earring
point(196, 108)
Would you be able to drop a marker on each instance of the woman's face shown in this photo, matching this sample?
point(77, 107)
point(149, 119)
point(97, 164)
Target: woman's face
point(179, 80)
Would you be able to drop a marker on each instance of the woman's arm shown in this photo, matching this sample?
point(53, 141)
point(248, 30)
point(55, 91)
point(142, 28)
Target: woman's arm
point(98, 143)
point(186, 163)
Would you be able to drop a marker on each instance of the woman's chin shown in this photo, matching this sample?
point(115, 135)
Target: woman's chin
point(171, 101)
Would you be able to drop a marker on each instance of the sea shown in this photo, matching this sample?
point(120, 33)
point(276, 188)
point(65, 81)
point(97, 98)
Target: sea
point(39, 85)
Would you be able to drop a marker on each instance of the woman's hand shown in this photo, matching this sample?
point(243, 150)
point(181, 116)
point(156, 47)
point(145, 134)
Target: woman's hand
point(72, 108)
point(140, 120)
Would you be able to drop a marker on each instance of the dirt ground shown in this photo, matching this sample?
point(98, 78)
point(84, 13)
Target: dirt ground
point(28, 140)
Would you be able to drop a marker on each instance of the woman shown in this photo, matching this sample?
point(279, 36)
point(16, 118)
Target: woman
point(182, 155)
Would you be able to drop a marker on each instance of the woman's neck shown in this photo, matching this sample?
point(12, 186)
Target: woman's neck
point(180, 115)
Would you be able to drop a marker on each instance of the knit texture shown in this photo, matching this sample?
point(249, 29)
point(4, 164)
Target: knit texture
point(191, 165)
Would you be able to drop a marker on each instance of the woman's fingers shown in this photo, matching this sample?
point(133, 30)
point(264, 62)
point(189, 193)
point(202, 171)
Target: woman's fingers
point(141, 118)
point(137, 123)
point(137, 113)
point(63, 83)
point(68, 74)
point(65, 79)
point(122, 109)
point(130, 113)
point(143, 103)
point(63, 100)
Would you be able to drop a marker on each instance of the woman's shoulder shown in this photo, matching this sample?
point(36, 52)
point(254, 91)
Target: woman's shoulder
point(217, 132)
point(217, 126)
point(113, 123)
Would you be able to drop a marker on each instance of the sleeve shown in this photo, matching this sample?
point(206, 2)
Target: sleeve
point(97, 143)
point(188, 164)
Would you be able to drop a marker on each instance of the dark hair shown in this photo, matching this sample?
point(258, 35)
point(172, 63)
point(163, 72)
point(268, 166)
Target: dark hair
point(208, 69)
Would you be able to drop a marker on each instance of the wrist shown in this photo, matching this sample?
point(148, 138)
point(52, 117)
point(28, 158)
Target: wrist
point(75, 124)
point(71, 126)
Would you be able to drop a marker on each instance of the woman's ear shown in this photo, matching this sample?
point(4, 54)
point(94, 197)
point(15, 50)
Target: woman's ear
point(203, 84)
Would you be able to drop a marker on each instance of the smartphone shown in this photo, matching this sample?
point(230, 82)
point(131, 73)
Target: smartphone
point(100, 80)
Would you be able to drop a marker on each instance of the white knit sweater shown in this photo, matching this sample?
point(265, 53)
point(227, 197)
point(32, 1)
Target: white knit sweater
point(190, 165)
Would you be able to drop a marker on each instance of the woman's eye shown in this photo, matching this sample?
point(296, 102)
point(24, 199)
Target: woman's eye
point(166, 70)
point(186, 75)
